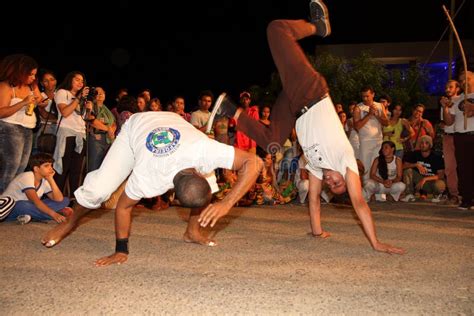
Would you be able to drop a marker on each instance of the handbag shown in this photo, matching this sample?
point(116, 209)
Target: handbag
point(7, 203)
point(46, 143)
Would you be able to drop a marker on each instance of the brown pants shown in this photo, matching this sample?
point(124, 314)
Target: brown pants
point(302, 84)
point(450, 165)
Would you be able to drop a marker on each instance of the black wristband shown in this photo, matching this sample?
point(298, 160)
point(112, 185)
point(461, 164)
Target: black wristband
point(121, 245)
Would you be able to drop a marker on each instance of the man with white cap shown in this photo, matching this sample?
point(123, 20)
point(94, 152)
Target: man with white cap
point(423, 171)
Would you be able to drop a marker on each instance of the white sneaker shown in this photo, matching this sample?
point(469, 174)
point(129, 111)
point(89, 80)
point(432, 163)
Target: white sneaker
point(325, 196)
point(409, 198)
point(438, 198)
point(23, 219)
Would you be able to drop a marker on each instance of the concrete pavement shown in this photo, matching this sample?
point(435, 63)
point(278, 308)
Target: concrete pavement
point(265, 264)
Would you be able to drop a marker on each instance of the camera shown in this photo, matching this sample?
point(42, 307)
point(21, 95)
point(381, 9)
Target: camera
point(92, 94)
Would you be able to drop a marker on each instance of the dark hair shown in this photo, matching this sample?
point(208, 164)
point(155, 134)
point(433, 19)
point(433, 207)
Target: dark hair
point(192, 190)
point(353, 103)
point(156, 100)
point(386, 97)
point(67, 82)
point(262, 153)
point(395, 105)
point(38, 159)
point(206, 93)
point(16, 68)
point(367, 88)
point(382, 167)
point(43, 72)
point(127, 103)
point(420, 105)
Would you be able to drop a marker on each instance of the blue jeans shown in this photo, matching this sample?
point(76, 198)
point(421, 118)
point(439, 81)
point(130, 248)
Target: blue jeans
point(27, 207)
point(15, 150)
point(97, 149)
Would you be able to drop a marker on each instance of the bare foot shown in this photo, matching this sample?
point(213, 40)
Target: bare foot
point(55, 235)
point(198, 239)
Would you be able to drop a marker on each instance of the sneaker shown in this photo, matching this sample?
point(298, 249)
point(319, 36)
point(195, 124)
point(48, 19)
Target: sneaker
point(223, 107)
point(408, 198)
point(320, 17)
point(465, 206)
point(23, 219)
point(453, 200)
point(438, 198)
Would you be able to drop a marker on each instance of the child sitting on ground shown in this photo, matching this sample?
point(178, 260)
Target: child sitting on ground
point(266, 187)
point(28, 188)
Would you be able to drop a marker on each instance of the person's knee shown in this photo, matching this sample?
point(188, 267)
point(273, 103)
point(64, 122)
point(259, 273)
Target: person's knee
point(439, 186)
point(398, 187)
point(371, 186)
point(274, 25)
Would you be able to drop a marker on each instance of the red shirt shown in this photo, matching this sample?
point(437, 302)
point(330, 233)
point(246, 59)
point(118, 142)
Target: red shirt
point(242, 141)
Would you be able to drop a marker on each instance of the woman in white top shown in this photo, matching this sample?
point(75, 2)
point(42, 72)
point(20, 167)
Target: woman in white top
point(385, 174)
point(70, 144)
point(18, 90)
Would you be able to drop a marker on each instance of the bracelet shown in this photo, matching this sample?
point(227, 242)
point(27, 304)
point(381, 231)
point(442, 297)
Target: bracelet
point(121, 245)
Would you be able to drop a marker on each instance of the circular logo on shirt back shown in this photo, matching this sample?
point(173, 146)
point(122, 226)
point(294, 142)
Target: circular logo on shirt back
point(163, 141)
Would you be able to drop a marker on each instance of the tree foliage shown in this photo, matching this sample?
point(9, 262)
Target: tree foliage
point(346, 77)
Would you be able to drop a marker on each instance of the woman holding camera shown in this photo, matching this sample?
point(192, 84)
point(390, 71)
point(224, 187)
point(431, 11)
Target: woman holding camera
point(70, 143)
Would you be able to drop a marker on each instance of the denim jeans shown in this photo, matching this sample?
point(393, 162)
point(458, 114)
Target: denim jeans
point(97, 149)
point(29, 208)
point(15, 150)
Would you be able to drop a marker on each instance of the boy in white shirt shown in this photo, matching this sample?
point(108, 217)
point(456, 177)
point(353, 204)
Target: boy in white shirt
point(28, 188)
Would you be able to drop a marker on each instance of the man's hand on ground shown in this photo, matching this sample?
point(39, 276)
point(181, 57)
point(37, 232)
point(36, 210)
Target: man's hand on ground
point(212, 213)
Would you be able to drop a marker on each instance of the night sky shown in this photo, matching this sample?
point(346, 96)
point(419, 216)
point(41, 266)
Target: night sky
point(183, 47)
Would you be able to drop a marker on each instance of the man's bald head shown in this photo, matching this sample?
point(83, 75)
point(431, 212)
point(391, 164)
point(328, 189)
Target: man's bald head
point(192, 189)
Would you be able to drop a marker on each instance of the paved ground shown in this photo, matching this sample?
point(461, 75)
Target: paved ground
point(265, 263)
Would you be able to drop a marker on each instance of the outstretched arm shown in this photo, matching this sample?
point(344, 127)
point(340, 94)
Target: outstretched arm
point(248, 166)
point(365, 215)
point(123, 218)
point(314, 195)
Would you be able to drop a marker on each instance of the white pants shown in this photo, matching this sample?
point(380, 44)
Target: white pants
point(116, 167)
point(368, 151)
point(372, 187)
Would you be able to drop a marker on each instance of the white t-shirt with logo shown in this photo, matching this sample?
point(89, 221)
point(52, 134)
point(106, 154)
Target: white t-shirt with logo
point(26, 180)
point(163, 144)
point(324, 141)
